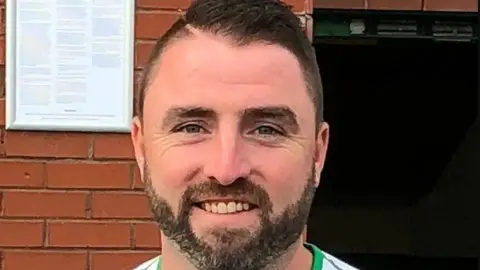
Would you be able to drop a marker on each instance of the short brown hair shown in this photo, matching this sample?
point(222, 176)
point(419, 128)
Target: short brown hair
point(244, 22)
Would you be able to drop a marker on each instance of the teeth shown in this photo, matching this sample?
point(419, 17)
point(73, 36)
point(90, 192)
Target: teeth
point(222, 208)
point(239, 207)
point(225, 207)
point(231, 207)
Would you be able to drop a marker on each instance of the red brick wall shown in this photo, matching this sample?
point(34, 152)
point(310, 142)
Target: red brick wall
point(75, 199)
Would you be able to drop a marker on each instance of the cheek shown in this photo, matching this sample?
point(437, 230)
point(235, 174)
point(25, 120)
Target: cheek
point(173, 166)
point(285, 175)
point(170, 171)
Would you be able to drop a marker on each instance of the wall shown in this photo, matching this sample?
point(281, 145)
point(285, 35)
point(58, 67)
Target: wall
point(75, 198)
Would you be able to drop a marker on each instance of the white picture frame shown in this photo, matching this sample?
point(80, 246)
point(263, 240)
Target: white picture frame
point(76, 72)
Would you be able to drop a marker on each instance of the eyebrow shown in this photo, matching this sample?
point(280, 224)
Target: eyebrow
point(281, 114)
point(176, 114)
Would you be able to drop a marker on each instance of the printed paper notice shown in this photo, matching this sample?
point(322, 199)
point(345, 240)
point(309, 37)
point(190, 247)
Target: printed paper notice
point(71, 58)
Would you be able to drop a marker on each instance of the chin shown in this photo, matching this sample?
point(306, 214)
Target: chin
point(226, 237)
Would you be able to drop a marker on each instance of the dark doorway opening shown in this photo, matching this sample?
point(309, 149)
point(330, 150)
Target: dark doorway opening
point(398, 110)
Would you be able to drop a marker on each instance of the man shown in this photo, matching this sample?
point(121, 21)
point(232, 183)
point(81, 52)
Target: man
point(230, 139)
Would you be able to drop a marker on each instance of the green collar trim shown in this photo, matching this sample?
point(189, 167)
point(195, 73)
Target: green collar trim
point(317, 256)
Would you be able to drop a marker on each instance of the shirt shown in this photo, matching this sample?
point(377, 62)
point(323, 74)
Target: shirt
point(321, 261)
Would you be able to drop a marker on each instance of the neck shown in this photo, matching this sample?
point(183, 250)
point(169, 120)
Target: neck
point(172, 258)
point(297, 257)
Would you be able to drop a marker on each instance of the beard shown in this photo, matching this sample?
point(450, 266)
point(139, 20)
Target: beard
point(234, 248)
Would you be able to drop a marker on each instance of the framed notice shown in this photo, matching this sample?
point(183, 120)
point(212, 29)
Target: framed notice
point(69, 65)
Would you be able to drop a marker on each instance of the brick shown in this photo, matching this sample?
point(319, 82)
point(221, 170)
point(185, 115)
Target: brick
point(340, 4)
point(2, 112)
point(452, 6)
point(20, 233)
point(102, 260)
point(45, 144)
point(152, 25)
point(146, 235)
point(309, 6)
point(120, 205)
point(21, 174)
point(44, 204)
point(2, 143)
point(88, 175)
point(165, 4)
point(117, 146)
point(137, 179)
point(142, 53)
point(2, 50)
point(2, 81)
point(88, 234)
point(2, 19)
point(44, 260)
point(395, 5)
point(300, 5)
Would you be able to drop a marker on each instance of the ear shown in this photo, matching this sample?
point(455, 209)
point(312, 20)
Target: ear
point(137, 137)
point(321, 146)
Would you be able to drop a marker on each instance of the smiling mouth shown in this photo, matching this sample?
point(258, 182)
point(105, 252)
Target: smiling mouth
point(225, 207)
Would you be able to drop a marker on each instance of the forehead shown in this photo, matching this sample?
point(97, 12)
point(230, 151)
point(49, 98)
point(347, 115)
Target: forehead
point(209, 71)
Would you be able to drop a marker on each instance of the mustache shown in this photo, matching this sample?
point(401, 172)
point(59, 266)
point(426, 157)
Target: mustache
point(240, 188)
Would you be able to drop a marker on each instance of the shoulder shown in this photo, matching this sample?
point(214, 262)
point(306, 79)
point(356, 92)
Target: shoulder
point(149, 265)
point(332, 263)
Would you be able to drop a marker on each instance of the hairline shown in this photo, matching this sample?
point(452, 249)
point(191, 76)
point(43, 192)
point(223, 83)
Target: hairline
point(188, 31)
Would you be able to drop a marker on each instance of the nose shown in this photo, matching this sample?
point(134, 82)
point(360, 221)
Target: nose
point(227, 160)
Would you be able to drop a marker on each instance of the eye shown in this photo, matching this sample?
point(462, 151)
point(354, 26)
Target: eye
point(191, 129)
point(267, 131)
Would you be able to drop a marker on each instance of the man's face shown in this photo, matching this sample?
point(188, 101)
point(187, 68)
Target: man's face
point(228, 151)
